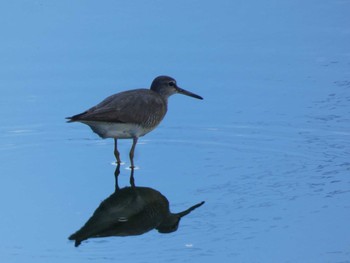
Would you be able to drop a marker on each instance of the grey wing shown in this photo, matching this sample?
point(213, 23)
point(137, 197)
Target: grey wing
point(135, 106)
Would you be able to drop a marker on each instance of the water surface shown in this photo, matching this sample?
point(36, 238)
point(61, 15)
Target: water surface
point(267, 148)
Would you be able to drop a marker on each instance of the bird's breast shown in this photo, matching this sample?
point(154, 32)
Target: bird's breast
point(118, 130)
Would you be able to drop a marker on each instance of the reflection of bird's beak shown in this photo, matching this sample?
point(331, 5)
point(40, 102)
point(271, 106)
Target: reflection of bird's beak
point(188, 93)
point(189, 210)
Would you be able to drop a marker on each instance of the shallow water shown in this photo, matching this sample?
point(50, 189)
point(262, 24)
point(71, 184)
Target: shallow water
point(267, 148)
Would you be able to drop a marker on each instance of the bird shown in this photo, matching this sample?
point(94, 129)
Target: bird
point(131, 114)
point(131, 211)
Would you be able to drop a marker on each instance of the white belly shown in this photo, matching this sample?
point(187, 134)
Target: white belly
point(117, 130)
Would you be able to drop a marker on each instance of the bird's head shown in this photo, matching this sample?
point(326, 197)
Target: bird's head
point(167, 86)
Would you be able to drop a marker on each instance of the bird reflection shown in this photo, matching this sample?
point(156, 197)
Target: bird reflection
point(131, 211)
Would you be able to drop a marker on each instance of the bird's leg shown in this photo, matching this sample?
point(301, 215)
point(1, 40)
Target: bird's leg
point(116, 174)
point(132, 179)
point(116, 153)
point(132, 150)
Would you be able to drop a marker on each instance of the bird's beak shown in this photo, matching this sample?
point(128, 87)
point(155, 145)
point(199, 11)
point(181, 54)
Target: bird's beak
point(189, 210)
point(188, 93)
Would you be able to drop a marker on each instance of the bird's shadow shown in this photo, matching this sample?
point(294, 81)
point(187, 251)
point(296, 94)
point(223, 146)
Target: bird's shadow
point(129, 211)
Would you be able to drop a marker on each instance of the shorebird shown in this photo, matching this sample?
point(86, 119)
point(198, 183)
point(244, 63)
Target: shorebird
point(131, 211)
point(131, 114)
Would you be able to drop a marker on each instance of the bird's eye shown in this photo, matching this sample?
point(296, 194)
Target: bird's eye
point(171, 83)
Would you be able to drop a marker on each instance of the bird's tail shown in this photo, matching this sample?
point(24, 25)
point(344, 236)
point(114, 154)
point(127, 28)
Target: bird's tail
point(69, 119)
point(77, 238)
point(75, 117)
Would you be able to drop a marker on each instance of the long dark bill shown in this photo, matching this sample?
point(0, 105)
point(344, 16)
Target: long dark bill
point(189, 210)
point(188, 93)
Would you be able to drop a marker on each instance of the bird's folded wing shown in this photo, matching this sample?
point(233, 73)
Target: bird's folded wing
point(114, 210)
point(135, 106)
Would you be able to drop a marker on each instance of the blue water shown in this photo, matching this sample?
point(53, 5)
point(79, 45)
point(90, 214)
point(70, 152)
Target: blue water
point(267, 149)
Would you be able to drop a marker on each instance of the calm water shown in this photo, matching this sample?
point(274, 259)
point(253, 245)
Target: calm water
point(267, 149)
